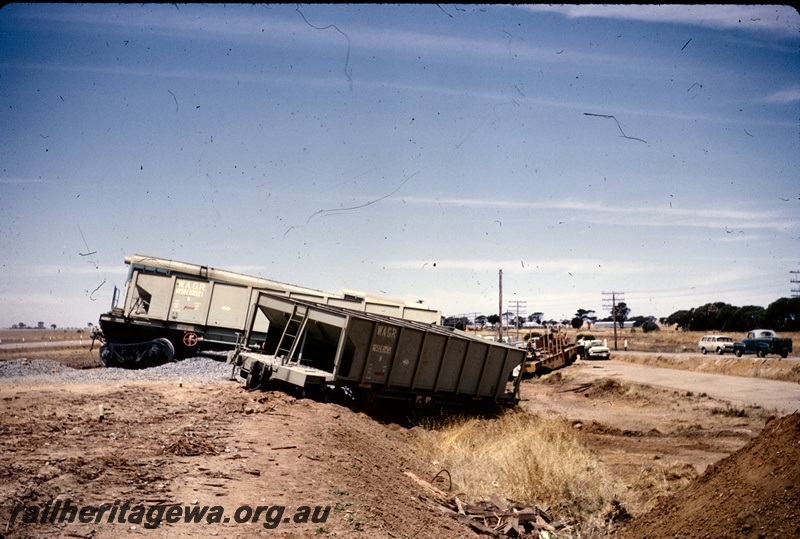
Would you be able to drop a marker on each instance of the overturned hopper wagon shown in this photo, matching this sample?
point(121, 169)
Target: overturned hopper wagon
point(313, 346)
point(173, 310)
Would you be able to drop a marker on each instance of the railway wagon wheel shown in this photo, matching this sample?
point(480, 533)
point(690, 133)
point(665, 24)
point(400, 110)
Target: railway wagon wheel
point(256, 377)
point(108, 357)
point(163, 349)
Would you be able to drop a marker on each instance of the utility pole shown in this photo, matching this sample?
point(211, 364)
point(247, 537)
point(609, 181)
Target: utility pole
point(613, 308)
point(516, 303)
point(795, 280)
point(500, 332)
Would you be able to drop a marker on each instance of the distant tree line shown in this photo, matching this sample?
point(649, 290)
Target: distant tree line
point(23, 325)
point(781, 315)
point(40, 325)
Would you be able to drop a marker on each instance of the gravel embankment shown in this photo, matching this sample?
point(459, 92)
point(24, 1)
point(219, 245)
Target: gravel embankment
point(197, 369)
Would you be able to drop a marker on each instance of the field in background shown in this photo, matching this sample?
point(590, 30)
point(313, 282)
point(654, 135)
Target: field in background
point(665, 341)
point(70, 346)
point(8, 336)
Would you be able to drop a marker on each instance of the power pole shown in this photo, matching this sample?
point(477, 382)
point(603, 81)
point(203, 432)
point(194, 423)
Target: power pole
point(500, 332)
point(613, 308)
point(516, 303)
point(795, 280)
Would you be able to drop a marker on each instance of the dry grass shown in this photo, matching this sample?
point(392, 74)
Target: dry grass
point(533, 459)
point(663, 479)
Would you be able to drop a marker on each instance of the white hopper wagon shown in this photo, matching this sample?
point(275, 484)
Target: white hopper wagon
point(173, 310)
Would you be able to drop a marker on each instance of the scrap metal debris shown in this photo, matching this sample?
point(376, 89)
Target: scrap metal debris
point(189, 444)
point(496, 516)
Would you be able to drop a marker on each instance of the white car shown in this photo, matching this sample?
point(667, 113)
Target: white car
point(597, 350)
point(715, 343)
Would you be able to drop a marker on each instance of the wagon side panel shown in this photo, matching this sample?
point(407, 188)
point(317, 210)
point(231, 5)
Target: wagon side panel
point(489, 385)
point(452, 365)
point(473, 368)
point(409, 347)
point(429, 361)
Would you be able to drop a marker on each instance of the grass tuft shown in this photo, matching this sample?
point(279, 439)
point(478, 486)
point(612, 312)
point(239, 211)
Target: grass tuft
point(533, 459)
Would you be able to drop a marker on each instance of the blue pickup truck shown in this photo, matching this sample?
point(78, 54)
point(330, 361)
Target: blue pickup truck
point(763, 342)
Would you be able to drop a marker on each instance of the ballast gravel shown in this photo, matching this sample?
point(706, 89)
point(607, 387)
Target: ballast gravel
point(196, 369)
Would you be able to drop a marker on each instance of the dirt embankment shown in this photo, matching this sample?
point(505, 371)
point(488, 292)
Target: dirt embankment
point(205, 445)
point(755, 492)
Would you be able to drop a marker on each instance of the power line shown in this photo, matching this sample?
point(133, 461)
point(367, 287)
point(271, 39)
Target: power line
point(613, 308)
point(517, 303)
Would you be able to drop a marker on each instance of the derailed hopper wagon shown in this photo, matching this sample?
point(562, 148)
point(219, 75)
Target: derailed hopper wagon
point(173, 310)
point(313, 345)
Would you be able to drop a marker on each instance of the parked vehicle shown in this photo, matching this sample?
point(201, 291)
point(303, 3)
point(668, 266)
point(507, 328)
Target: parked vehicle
point(763, 342)
point(596, 350)
point(715, 343)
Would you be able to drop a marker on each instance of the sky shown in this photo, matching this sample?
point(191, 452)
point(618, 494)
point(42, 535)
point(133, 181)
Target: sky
point(413, 151)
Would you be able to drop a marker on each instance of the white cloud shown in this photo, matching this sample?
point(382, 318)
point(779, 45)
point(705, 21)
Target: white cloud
point(22, 181)
point(560, 266)
point(780, 18)
point(644, 215)
point(784, 97)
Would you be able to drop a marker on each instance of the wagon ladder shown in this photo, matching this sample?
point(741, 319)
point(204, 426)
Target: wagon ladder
point(295, 326)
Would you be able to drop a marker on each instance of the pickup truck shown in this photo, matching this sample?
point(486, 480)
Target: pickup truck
point(762, 342)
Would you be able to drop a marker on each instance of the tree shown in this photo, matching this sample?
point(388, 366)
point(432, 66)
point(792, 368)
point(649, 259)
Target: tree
point(783, 314)
point(493, 319)
point(682, 319)
point(53, 326)
point(745, 318)
point(21, 325)
point(620, 313)
point(639, 321)
point(582, 316)
point(89, 325)
point(711, 316)
point(40, 325)
point(649, 326)
point(458, 322)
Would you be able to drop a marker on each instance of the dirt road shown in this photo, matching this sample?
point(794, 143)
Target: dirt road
point(740, 391)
